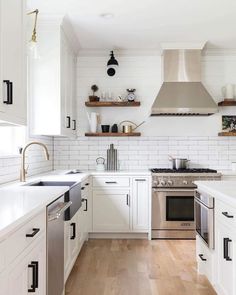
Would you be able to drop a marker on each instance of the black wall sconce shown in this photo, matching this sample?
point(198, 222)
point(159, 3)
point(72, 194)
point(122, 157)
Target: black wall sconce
point(112, 65)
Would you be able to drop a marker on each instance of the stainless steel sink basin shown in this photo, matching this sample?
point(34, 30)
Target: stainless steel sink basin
point(73, 194)
point(52, 183)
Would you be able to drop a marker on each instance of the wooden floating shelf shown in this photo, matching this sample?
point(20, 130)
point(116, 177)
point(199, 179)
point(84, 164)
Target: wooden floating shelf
point(227, 134)
point(112, 104)
point(112, 134)
point(227, 103)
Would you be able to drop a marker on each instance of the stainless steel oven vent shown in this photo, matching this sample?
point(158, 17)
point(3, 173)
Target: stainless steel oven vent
point(182, 92)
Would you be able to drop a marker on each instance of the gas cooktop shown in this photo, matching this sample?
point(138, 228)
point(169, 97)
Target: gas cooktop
point(189, 170)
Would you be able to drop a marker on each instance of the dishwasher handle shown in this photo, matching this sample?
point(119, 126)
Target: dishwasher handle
point(58, 213)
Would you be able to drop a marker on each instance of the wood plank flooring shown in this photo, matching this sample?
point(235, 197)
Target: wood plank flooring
point(137, 267)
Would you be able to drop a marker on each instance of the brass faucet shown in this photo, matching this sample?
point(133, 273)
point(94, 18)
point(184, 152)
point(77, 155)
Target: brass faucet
point(23, 171)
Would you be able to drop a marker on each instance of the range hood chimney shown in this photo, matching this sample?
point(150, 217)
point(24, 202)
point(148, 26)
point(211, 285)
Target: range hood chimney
point(182, 93)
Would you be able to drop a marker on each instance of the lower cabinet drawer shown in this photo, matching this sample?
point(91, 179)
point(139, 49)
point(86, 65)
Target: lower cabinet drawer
point(111, 181)
point(225, 213)
point(19, 240)
point(204, 259)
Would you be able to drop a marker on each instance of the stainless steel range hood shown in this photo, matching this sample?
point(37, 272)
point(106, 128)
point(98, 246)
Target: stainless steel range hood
point(182, 93)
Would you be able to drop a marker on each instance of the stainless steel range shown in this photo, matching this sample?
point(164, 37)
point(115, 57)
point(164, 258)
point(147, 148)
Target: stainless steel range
point(173, 201)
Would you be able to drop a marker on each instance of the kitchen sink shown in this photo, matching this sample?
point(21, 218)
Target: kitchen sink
point(73, 194)
point(52, 183)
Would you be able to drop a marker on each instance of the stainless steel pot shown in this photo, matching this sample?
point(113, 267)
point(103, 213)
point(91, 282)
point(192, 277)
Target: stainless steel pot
point(179, 163)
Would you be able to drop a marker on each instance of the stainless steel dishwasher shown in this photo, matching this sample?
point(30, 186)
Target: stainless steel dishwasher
point(55, 246)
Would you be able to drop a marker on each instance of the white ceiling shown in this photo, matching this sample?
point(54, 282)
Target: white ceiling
point(144, 24)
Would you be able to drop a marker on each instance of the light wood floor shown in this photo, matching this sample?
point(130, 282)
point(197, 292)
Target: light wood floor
point(137, 267)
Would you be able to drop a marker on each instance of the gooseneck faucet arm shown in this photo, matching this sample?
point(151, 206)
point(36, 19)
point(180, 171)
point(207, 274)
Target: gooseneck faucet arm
point(23, 170)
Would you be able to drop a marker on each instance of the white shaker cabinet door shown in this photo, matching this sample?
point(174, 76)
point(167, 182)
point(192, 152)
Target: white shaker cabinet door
point(111, 210)
point(28, 274)
point(13, 61)
point(225, 247)
point(140, 203)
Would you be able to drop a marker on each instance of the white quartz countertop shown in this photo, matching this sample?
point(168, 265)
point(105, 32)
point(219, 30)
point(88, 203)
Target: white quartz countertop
point(20, 203)
point(224, 190)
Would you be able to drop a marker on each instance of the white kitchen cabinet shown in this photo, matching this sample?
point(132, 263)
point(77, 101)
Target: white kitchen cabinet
point(71, 244)
point(24, 255)
point(141, 191)
point(53, 84)
point(120, 204)
point(18, 279)
point(225, 259)
point(219, 264)
point(74, 237)
point(111, 210)
point(13, 94)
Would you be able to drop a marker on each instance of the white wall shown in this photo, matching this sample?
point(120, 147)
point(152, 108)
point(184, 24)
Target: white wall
point(192, 137)
point(143, 72)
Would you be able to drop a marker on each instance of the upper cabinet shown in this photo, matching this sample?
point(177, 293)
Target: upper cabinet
point(13, 94)
point(53, 83)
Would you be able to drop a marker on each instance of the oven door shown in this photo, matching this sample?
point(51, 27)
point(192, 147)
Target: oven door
point(204, 218)
point(173, 209)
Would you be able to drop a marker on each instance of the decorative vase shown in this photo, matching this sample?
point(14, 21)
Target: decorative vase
point(93, 121)
point(114, 128)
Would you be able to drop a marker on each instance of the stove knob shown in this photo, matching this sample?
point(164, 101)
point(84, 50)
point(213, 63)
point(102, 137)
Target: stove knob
point(162, 182)
point(185, 182)
point(170, 182)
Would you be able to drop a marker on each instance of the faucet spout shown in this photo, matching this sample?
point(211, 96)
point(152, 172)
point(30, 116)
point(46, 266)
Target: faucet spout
point(23, 171)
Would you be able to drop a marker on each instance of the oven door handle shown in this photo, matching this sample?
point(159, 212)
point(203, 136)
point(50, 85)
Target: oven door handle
point(172, 190)
point(201, 204)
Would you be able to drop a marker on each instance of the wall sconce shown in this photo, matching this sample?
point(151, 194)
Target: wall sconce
point(112, 65)
point(33, 40)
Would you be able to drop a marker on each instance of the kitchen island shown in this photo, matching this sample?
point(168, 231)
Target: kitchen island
point(218, 260)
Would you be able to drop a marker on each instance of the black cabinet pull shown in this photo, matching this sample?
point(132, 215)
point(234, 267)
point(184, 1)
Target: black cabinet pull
point(86, 183)
point(140, 179)
point(35, 276)
point(73, 224)
point(74, 124)
point(202, 258)
point(226, 214)
point(86, 204)
point(11, 93)
point(9, 99)
point(226, 242)
point(110, 182)
point(68, 121)
point(36, 273)
point(35, 231)
point(82, 188)
point(127, 199)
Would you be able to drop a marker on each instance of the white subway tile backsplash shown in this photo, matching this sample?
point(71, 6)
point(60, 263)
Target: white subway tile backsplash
point(147, 152)
point(35, 159)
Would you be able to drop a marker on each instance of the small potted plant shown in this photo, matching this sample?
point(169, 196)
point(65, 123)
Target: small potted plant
point(94, 97)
